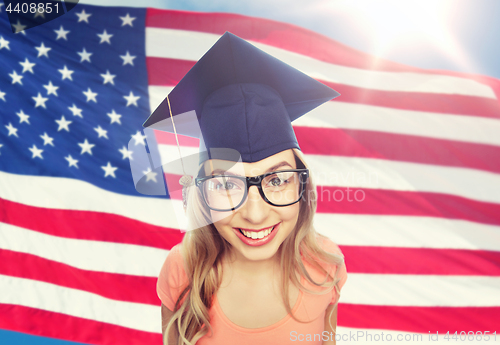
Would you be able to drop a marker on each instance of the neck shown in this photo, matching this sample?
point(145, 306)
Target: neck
point(253, 268)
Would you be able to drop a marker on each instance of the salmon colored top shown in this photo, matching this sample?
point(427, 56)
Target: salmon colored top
point(173, 280)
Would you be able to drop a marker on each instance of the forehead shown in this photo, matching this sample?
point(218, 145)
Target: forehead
point(279, 161)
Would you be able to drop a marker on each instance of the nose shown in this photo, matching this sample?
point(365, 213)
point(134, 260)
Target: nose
point(255, 209)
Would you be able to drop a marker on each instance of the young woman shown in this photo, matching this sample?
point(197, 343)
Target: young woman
point(253, 271)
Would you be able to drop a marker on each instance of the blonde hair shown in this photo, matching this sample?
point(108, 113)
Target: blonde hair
point(190, 318)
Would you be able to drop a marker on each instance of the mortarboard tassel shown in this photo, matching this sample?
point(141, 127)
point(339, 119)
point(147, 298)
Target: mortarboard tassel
point(185, 180)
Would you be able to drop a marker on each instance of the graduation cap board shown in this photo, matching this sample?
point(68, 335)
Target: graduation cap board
point(240, 102)
point(243, 98)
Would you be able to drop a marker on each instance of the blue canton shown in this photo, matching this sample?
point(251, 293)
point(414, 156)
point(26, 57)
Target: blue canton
point(73, 93)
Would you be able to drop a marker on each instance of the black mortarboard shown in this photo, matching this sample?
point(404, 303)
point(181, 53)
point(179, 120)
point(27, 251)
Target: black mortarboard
point(244, 99)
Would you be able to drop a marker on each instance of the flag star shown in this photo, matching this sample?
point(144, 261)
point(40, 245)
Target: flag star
point(109, 170)
point(125, 152)
point(40, 13)
point(66, 73)
point(105, 37)
point(108, 78)
point(23, 117)
point(72, 162)
point(19, 27)
point(76, 111)
point(131, 99)
point(128, 59)
point(63, 124)
point(12, 130)
point(139, 138)
point(27, 66)
point(16, 78)
point(0, 148)
point(90, 95)
point(51, 89)
point(36, 152)
point(43, 50)
point(86, 147)
point(127, 20)
point(4, 43)
point(2, 96)
point(150, 175)
point(40, 101)
point(61, 33)
point(83, 17)
point(85, 55)
point(101, 132)
point(114, 117)
point(46, 139)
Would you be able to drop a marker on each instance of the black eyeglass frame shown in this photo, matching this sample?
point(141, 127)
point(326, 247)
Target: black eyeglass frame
point(255, 181)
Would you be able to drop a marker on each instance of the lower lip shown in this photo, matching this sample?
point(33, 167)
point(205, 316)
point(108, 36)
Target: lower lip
point(258, 241)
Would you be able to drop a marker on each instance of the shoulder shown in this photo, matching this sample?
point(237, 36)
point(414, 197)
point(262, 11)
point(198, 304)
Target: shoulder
point(339, 270)
point(174, 263)
point(173, 278)
point(335, 267)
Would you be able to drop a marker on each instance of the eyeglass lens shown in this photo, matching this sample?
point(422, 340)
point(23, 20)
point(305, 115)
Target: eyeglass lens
point(227, 192)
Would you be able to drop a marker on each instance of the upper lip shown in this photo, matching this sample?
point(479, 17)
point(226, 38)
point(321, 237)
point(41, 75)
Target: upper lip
point(257, 230)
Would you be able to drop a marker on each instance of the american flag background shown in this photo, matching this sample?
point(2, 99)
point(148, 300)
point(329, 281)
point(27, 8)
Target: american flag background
point(407, 163)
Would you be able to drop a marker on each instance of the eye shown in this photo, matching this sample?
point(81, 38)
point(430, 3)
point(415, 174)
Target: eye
point(276, 182)
point(226, 184)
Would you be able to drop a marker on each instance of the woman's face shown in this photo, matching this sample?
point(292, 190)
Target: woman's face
point(268, 225)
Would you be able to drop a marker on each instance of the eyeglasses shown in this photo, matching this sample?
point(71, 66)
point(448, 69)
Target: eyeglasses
point(277, 188)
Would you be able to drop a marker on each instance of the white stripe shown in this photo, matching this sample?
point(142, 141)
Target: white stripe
point(108, 257)
point(157, 94)
point(370, 173)
point(361, 336)
point(59, 193)
point(474, 129)
point(336, 114)
point(191, 45)
point(54, 298)
point(407, 231)
point(421, 290)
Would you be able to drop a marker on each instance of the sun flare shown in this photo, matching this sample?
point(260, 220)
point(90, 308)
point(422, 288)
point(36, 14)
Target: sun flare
point(396, 25)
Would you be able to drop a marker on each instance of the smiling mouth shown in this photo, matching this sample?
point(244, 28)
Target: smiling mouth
point(256, 235)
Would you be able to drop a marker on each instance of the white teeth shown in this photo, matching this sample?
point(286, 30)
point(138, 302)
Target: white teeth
point(257, 235)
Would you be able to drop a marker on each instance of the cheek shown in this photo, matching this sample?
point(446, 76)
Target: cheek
point(221, 218)
point(290, 213)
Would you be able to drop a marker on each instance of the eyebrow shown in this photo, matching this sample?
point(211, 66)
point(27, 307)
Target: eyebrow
point(273, 168)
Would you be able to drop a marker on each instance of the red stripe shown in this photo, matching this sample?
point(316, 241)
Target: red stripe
point(87, 225)
point(115, 286)
point(56, 325)
point(168, 72)
point(419, 101)
point(420, 319)
point(397, 147)
point(403, 203)
point(390, 260)
point(389, 146)
point(166, 138)
point(347, 200)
